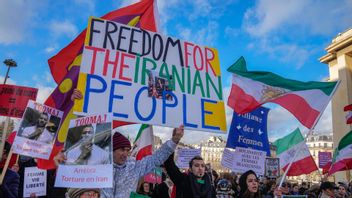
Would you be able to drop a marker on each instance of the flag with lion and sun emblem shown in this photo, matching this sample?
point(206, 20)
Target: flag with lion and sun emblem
point(305, 100)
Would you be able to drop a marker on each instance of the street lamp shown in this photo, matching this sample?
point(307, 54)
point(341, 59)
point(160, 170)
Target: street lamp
point(9, 63)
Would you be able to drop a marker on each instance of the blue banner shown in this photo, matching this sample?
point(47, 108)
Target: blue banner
point(250, 130)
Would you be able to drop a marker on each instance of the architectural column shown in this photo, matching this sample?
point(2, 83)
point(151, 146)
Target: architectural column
point(339, 60)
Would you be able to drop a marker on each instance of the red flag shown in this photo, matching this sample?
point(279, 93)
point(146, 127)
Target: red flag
point(349, 115)
point(64, 67)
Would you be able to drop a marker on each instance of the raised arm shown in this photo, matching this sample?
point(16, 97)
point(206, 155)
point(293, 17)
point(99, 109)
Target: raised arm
point(150, 162)
point(173, 171)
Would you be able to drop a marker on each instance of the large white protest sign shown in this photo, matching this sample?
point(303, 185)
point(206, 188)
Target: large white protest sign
point(185, 156)
point(145, 77)
point(38, 130)
point(34, 182)
point(89, 154)
point(248, 159)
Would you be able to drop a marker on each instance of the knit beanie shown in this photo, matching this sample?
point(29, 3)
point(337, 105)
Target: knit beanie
point(120, 141)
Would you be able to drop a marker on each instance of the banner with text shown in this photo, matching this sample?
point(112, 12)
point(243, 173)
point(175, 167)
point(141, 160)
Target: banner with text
point(250, 130)
point(38, 130)
point(14, 99)
point(89, 154)
point(34, 182)
point(144, 77)
point(185, 155)
point(248, 159)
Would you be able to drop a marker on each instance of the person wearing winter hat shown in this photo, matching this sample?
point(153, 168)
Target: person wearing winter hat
point(127, 170)
point(83, 193)
point(249, 185)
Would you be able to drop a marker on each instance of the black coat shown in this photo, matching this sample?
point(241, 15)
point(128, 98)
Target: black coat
point(180, 180)
point(10, 184)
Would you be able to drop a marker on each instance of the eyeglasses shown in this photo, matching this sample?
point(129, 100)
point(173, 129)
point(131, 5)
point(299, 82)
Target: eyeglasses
point(90, 194)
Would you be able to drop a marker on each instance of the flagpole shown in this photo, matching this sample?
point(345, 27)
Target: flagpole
point(309, 133)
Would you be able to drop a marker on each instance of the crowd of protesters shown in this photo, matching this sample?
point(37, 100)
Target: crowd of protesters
point(195, 182)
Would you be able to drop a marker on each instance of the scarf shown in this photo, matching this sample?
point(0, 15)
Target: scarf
point(200, 190)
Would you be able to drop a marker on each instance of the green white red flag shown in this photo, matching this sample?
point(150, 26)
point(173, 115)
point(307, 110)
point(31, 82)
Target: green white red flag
point(143, 144)
point(302, 162)
point(349, 115)
point(305, 100)
point(342, 159)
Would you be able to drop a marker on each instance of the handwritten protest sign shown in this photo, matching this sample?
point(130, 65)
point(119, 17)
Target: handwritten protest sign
point(185, 156)
point(245, 159)
point(145, 77)
point(14, 99)
point(89, 154)
point(37, 131)
point(272, 167)
point(34, 182)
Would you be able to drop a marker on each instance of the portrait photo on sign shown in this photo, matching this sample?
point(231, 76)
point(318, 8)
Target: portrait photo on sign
point(157, 85)
point(39, 126)
point(89, 145)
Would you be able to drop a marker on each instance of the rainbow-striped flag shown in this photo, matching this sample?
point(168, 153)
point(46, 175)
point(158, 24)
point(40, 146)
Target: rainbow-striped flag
point(65, 66)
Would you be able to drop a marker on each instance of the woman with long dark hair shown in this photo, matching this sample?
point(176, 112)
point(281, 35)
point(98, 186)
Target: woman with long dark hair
point(249, 185)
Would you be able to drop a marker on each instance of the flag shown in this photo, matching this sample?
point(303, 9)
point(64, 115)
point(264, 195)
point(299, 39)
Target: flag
point(342, 159)
point(143, 144)
point(286, 149)
point(64, 67)
point(305, 100)
point(349, 115)
point(326, 168)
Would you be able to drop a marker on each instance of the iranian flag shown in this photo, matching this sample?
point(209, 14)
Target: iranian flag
point(305, 100)
point(287, 147)
point(349, 115)
point(143, 144)
point(342, 159)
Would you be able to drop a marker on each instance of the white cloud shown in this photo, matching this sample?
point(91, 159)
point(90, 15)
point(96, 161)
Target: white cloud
point(206, 35)
point(8, 81)
point(43, 93)
point(49, 49)
point(288, 53)
point(63, 28)
point(15, 20)
point(312, 17)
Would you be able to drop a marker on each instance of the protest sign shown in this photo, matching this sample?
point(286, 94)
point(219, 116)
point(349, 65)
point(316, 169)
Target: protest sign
point(250, 130)
point(89, 154)
point(14, 99)
point(38, 130)
point(227, 158)
point(324, 158)
point(185, 155)
point(272, 167)
point(34, 182)
point(144, 77)
point(248, 159)
point(154, 177)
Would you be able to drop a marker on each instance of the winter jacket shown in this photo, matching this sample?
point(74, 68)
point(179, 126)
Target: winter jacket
point(126, 176)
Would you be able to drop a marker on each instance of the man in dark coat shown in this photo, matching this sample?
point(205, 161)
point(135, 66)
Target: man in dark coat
point(195, 184)
point(10, 184)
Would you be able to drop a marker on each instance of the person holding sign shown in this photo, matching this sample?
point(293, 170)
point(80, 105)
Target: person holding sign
point(195, 184)
point(127, 171)
point(85, 152)
point(41, 131)
point(11, 181)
